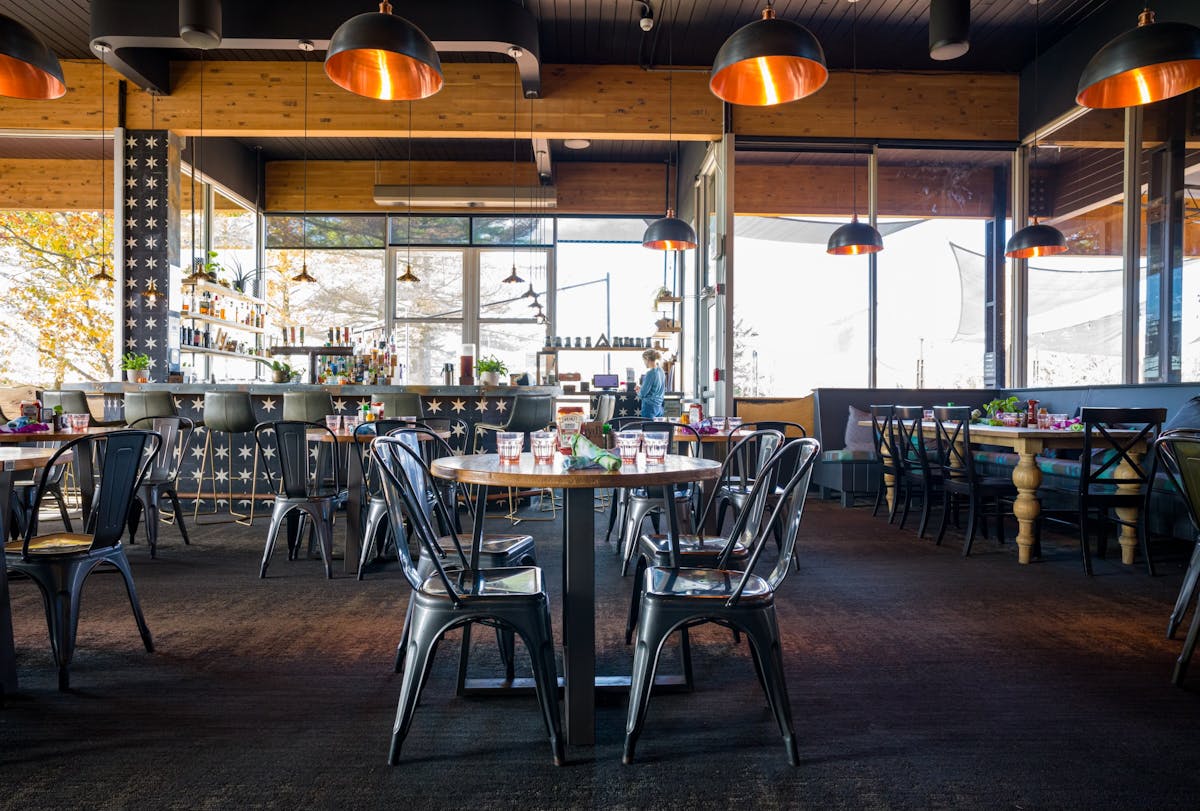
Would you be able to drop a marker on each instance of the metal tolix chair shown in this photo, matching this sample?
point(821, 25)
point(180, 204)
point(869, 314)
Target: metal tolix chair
point(162, 478)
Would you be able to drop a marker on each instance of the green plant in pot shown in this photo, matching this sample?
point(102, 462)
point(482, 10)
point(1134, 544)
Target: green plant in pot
point(992, 409)
point(489, 370)
point(135, 366)
point(282, 372)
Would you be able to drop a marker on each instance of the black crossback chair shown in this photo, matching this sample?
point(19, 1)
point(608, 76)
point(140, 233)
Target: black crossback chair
point(678, 598)
point(698, 550)
point(744, 460)
point(60, 562)
point(512, 598)
point(1178, 453)
point(299, 484)
point(162, 478)
point(884, 430)
point(961, 480)
point(920, 472)
point(1112, 478)
point(640, 502)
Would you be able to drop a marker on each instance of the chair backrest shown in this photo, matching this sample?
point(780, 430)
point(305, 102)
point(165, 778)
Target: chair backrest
point(788, 512)
point(176, 434)
point(72, 402)
point(954, 443)
point(364, 435)
point(530, 413)
point(744, 459)
point(883, 426)
point(1098, 424)
point(910, 438)
point(284, 449)
point(142, 404)
point(685, 439)
point(790, 430)
point(402, 475)
point(126, 455)
point(746, 525)
point(1179, 452)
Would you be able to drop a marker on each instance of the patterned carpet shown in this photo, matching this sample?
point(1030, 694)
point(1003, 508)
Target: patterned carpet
point(918, 680)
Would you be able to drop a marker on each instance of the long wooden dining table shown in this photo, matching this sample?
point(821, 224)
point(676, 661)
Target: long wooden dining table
point(1027, 476)
point(579, 549)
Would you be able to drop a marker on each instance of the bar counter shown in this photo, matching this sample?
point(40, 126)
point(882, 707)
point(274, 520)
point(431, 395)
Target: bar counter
point(118, 388)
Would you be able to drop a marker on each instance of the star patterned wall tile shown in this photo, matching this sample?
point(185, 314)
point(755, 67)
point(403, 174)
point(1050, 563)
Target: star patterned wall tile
point(147, 244)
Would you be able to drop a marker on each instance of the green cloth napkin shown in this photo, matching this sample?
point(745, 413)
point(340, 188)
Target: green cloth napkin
point(584, 453)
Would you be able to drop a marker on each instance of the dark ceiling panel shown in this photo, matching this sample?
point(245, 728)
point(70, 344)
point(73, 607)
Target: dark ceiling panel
point(391, 149)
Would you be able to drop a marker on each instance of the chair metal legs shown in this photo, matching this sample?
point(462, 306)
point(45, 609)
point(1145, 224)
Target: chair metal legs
point(1186, 592)
point(321, 514)
point(376, 518)
point(61, 583)
point(207, 459)
point(635, 513)
point(147, 501)
point(661, 618)
point(529, 619)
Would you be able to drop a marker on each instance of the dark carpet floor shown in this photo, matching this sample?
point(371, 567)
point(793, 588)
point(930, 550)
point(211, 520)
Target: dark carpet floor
point(917, 679)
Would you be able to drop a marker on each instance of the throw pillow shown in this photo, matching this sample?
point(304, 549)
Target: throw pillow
point(859, 437)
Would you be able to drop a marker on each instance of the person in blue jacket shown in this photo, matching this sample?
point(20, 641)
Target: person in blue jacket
point(651, 389)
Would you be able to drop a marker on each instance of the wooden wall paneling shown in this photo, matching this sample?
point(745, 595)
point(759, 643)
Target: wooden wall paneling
point(54, 185)
point(937, 106)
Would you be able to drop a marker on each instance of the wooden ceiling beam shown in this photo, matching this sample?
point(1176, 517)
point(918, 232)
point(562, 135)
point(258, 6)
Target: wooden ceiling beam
point(602, 102)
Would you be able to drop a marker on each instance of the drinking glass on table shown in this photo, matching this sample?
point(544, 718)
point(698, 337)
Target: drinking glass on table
point(77, 422)
point(333, 422)
point(927, 415)
point(350, 422)
point(733, 423)
point(656, 446)
point(718, 423)
point(542, 444)
point(628, 443)
point(508, 445)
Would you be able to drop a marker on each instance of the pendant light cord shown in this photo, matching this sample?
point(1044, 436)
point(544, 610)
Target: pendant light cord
point(670, 109)
point(304, 218)
point(103, 216)
point(516, 85)
point(854, 110)
point(408, 173)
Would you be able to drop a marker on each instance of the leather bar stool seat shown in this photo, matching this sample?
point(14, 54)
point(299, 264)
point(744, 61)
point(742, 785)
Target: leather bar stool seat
point(307, 406)
point(140, 405)
point(229, 413)
point(74, 402)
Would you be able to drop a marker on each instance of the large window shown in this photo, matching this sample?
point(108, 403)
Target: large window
point(800, 315)
point(428, 322)
point(934, 210)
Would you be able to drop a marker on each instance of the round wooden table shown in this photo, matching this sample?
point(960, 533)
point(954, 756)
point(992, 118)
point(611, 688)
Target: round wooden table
point(579, 548)
point(12, 460)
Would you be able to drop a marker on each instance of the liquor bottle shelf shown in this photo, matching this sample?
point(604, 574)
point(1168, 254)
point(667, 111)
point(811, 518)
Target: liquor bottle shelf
point(222, 290)
point(208, 319)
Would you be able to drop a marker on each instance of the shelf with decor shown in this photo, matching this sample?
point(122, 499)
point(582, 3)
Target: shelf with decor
point(215, 287)
point(199, 350)
point(222, 322)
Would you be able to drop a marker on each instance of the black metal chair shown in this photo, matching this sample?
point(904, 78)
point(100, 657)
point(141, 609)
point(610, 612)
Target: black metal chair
point(25, 494)
point(510, 598)
point(678, 598)
point(162, 478)
point(299, 484)
point(961, 480)
point(883, 425)
point(617, 500)
point(1178, 452)
point(1114, 481)
point(640, 502)
point(375, 519)
point(60, 562)
point(697, 550)
point(919, 472)
point(744, 460)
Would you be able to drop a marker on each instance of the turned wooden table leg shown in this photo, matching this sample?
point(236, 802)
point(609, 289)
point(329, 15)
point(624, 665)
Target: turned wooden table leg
point(1129, 536)
point(889, 480)
point(1027, 478)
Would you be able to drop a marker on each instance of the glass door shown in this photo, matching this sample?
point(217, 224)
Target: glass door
point(427, 323)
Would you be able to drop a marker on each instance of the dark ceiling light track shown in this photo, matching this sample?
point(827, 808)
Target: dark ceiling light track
point(1152, 62)
point(28, 68)
point(145, 35)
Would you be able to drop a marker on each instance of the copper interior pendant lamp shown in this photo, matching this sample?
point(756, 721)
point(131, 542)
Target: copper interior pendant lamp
point(408, 277)
point(382, 56)
point(767, 62)
point(28, 68)
point(304, 277)
point(1149, 63)
point(669, 233)
point(854, 238)
point(513, 277)
point(103, 274)
point(1035, 239)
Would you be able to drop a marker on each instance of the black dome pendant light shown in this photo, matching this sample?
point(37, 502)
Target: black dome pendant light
point(854, 238)
point(1152, 62)
point(103, 274)
point(767, 62)
point(28, 69)
point(1035, 239)
point(382, 56)
point(513, 277)
point(669, 233)
point(304, 277)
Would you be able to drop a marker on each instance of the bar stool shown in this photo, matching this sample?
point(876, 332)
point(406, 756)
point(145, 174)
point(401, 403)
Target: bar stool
point(229, 413)
point(307, 406)
point(396, 405)
point(140, 405)
point(74, 402)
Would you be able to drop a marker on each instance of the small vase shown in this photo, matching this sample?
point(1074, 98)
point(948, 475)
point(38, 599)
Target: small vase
point(131, 375)
point(489, 378)
point(279, 377)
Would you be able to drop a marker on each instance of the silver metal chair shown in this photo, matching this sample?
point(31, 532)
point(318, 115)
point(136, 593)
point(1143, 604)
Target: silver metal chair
point(678, 598)
point(1178, 452)
point(511, 598)
point(642, 502)
point(161, 480)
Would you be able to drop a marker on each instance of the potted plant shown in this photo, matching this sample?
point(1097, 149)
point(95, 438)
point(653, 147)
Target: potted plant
point(994, 408)
point(135, 366)
point(282, 371)
point(489, 370)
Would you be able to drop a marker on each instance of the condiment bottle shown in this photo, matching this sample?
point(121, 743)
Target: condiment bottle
point(1031, 412)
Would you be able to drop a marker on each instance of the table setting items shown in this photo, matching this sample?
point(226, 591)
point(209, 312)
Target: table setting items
point(586, 454)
